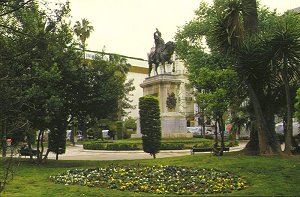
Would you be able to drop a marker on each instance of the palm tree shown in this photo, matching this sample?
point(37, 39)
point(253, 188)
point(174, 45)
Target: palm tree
point(284, 50)
point(231, 34)
point(83, 31)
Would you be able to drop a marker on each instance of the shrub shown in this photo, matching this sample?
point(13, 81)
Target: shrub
point(95, 146)
point(122, 147)
point(150, 124)
point(57, 139)
point(95, 132)
point(172, 146)
point(119, 129)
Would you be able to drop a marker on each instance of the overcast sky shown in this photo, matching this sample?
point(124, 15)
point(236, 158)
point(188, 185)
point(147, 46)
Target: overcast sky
point(126, 26)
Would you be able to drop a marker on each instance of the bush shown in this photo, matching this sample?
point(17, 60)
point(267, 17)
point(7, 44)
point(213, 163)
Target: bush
point(95, 132)
point(172, 146)
point(95, 146)
point(209, 137)
point(122, 147)
point(109, 145)
point(150, 124)
point(119, 129)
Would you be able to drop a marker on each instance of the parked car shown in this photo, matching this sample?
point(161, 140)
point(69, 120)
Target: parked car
point(79, 135)
point(280, 130)
point(194, 130)
point(209, 132)
point(105, 133)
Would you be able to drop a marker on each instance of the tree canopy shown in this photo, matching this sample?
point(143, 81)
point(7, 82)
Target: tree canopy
point(45, 83)
point(261, 50)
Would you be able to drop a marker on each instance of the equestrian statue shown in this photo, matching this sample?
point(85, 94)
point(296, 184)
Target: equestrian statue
point(161, 53)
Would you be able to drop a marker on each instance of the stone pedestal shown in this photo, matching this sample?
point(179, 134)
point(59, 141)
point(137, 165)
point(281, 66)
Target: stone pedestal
point(162, 86)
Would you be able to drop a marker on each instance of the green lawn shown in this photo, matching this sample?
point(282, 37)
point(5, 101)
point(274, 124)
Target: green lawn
point(268, 175)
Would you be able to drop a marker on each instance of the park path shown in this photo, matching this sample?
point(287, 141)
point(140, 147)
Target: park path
point(78, 153)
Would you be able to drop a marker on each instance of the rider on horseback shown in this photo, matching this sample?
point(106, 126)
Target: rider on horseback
point(159, 44)
point(161, 53)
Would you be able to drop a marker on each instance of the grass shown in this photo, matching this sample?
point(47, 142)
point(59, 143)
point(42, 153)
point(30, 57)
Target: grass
point(268, 175)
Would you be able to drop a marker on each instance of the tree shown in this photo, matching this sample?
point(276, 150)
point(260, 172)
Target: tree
point(229, 30)
point(125, 101)
point(215, 84)
point(150, 124)
point(96, 90)
point(83, 31)
point(285, 53)
point(235, 30)
point(36, 61)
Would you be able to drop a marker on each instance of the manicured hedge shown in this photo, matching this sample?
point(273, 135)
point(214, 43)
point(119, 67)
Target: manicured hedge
point(171, 146)
point(122, 147)
point(109, 145)
point(94, 146)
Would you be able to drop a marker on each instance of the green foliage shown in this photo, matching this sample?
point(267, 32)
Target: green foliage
point(94, 146)
point(95, 132)
point(43, 79)
point(119, 129)
point(130, 123)
point(83, 30)
point(171, 146)
point(57, 141)
point(137, 144)
point(150, 124)
point(261, 58)
point(114, 146)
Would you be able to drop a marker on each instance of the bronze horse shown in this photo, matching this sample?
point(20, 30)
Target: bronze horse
point(162, 57)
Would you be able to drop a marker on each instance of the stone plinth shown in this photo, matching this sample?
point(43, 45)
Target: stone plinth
point(173, 123)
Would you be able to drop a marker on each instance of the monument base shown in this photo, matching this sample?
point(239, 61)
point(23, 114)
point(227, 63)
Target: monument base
point(177, 135)
point(167, 135)
point(173, 125)
point(173, 122)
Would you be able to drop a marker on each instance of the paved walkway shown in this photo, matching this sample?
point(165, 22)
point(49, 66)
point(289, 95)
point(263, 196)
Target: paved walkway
point(78, 153)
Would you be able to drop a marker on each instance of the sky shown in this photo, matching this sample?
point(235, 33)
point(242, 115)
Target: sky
point(126, 27)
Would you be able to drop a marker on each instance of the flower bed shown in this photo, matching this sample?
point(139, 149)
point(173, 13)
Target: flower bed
point(155, 179)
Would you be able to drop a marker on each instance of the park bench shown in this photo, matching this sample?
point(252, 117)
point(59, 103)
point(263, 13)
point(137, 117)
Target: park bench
point(206, 149)
point(25, 153)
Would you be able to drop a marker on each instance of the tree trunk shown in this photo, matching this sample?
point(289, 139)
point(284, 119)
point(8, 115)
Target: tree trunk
point(289, 114)
point(250, 16)
point(267, 143)
point(216, 134)
point(221, 130)
point(252, 147)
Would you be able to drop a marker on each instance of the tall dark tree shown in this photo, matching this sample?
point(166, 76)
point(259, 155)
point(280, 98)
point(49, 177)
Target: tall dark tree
point(150, 124)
